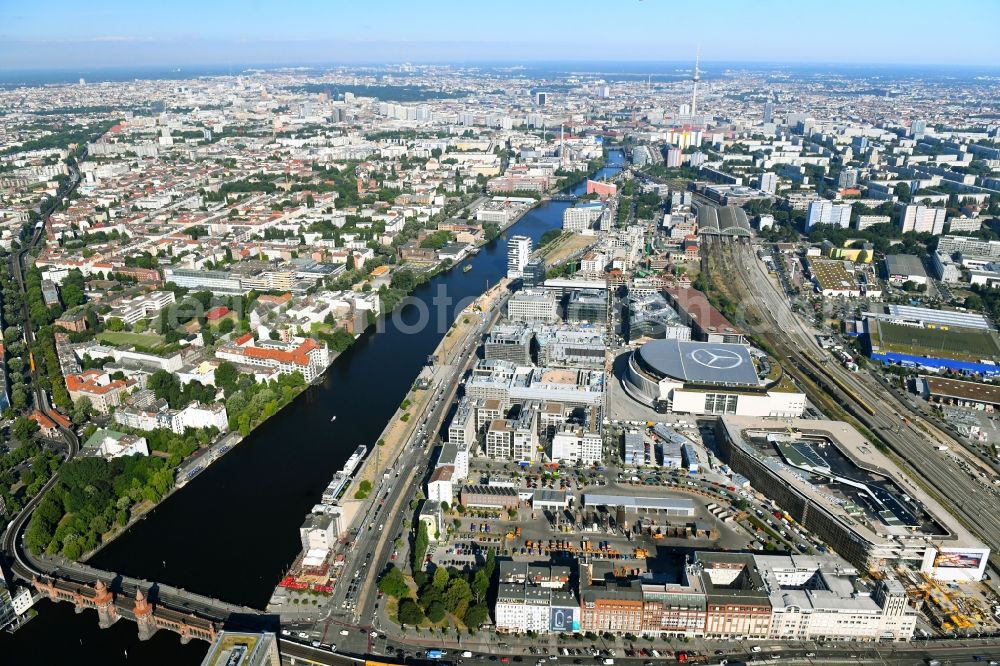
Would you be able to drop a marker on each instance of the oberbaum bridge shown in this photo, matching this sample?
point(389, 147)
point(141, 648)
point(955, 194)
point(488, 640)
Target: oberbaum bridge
point(160, 607)
point(152, 606)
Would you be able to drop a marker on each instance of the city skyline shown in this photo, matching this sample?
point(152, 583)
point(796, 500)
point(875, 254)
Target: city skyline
point(59, 35)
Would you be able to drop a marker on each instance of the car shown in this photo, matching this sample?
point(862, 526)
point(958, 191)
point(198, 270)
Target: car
point(718, 652)
point(285, 632)
point(344, 632)
point(504, 660)
point(775, 655)
point(755, 648)
point(315, 644)
point(303, 634)
point(333, 648)
point(810, 654)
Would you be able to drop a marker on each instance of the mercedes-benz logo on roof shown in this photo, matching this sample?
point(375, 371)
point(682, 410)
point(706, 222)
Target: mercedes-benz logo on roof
point(717, 359)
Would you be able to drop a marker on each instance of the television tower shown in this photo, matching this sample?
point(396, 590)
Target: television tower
point(695, 77)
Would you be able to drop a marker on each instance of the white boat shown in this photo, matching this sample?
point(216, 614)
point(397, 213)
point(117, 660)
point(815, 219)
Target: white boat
point(333, 418)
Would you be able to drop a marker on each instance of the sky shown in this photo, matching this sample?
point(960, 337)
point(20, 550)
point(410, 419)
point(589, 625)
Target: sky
point(59, 34)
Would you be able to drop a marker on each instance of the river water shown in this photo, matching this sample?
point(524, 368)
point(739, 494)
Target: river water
point(232, 532)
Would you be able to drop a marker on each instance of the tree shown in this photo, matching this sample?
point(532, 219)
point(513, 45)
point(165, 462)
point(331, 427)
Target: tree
point(480, 585)
point(226, 376)
point(410, 612)
point(420, 541)
point(23, 429)
point(115, 324)
point(82, 410)
point(476, 616)
point(458, 593)
point(440, 579)
point(393, 583)
point(436, 611)
point(165, 385)
point(902, 191)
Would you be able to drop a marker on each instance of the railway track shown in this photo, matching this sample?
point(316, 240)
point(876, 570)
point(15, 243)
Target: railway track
point(851, 400)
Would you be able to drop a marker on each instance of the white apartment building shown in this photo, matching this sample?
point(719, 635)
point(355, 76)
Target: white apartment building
point(581, 218)
point(522, 608)
point(518, 254)
point(309, 357)
point(865, 221)
point(499, 440)
point(440, 487)
point(462, 429)
point(141, 307)
point(573, 446)
point(827, 212)
point(922, 219)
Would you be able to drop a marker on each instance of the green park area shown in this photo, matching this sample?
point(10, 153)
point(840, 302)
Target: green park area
point(126, 339)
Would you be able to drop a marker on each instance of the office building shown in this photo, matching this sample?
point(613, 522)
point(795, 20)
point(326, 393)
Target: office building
point(587, 305)
point(237, 648)
point(132, 310)
point(819, 597)
point(509, 342)
point(533, 274)
point(533, 306)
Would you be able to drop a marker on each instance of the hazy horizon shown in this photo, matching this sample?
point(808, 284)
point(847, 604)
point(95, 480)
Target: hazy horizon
point(61, 35)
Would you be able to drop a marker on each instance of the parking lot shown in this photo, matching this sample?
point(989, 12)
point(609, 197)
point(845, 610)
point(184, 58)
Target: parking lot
point(725, 517)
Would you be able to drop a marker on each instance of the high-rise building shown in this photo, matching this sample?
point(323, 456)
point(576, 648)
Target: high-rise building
point(847, 178)
point(533, 274)
point(541, 98)
point(827, 212)
point(917, 129)
point(518, 255)
point(769, 182)
point(674, 156)
point(922, 219)
point(768, 112)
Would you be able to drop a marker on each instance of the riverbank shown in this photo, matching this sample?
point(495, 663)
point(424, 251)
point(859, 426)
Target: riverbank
point(276, 475)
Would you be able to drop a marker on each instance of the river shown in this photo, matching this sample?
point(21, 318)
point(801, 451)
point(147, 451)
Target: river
point(232, 532)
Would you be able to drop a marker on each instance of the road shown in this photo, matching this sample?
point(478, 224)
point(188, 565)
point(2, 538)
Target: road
point(376, 531)
point(12, 542)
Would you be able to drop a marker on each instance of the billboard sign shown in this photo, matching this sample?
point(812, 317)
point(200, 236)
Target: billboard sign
point(956, 559)
point(565, 619)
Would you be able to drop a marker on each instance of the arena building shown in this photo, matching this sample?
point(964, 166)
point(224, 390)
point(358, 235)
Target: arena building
point(709, 378)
